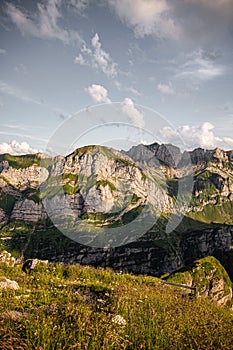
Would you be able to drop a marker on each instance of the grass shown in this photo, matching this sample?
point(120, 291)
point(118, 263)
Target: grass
point(14, 237)
point(219, 214)
point(75, 307)
point(105, 183)
point(19, 162)
point(7, 202)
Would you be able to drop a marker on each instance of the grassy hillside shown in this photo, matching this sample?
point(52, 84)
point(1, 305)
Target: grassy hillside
point(74, 307)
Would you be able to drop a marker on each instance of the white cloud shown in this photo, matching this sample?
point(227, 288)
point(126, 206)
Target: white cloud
point(80, 60)
point(16, 148)
point(146, 17)
point(98, 93)
point(42, 24)
point(12, 91)
point(133, 91)
point(2, 51)
point(199, 67)
point(190, 137)
point(135, 116)
point(166, 89)
point(97, 58)
point(228, 141)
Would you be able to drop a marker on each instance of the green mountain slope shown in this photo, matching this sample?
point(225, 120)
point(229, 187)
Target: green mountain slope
point(97, 189)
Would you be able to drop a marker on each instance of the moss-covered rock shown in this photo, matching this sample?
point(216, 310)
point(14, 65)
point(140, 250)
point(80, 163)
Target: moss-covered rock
point(208, 276)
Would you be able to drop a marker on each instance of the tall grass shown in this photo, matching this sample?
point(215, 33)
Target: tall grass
point(62, 307)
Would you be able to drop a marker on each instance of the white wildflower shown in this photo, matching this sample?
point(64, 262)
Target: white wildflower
point(119, 320)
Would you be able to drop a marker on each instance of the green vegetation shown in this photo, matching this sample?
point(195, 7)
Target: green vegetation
point(221, 214)
point(71, 177)
point(51, 187)
point(203, 274)
point(204, 174)
point(20, 161)
point(50, 242)
point(132, 214)
point(33, 194)
point(97, 218)
point(70, 189)
point(123, 161)
point(73, 307)
point(105, 183)
point(7, 202)
point(14, 237)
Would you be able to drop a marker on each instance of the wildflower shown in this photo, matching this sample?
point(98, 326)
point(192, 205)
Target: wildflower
point(101, 301)
point(119, 320)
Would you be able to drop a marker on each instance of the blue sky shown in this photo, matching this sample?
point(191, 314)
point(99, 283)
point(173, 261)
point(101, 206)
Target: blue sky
point(172, 56)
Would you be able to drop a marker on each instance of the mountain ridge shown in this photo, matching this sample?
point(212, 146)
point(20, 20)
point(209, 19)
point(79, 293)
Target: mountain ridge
point(105, 188)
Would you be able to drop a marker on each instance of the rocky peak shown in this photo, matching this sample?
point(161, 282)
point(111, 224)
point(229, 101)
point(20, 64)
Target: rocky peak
point(155, 154)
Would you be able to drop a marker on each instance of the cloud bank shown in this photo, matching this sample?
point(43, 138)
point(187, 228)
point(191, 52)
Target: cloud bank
point(17, 148)
point(190, 137)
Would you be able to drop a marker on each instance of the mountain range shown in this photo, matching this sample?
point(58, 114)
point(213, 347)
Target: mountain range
point(152, 209)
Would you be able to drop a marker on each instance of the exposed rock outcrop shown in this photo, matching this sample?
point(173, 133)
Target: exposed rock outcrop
point(28, 211)
point(8, 284)
point(26, 177)
point(7, 258)
point(209, 277)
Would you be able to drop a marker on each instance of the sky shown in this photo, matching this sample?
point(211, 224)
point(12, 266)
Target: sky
point(113, 61)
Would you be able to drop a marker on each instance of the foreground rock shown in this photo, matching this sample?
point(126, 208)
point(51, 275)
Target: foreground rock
point(8, 284)
point(7, 258)
point(209, 277)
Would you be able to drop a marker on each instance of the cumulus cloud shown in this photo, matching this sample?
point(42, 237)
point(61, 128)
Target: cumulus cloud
point(135, 116)
point(190, 137)
point(166, 89)
point(98, 93)
point(146, 17)
point(228, 141)
point(97, 58)
point(44, 23)
point(16, 148)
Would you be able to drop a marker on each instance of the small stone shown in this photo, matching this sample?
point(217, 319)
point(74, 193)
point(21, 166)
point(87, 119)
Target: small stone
point(9, 284)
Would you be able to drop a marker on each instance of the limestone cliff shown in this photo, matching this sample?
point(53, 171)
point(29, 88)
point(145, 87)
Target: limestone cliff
point(103, 187)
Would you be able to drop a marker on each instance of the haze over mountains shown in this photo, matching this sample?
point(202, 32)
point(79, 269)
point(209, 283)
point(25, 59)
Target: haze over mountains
point(150, 210)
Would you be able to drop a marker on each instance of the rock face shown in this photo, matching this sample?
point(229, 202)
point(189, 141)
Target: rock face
point(208, 276)
point(22, 179)
point(28, 211)
point(104, 188)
